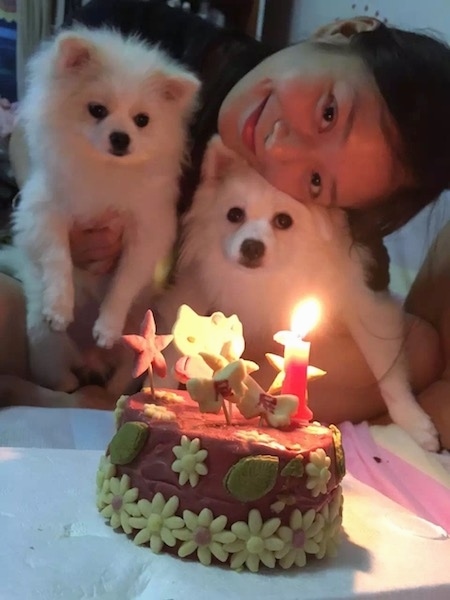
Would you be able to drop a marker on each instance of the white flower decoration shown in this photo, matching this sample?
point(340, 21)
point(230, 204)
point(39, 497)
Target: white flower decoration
point(167, 396)
point(118, 411)
point(119, 502)
point(160, 413)
point(300, 538)
point(189, 461)
point(205, 535)
point(332, 515)
point(318, 472)
point(252, 435)
point(157, 523)
point(256, 542)
point(105, 471)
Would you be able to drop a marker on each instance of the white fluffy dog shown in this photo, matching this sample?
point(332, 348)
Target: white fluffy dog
point(251, 250)
point(105, 118)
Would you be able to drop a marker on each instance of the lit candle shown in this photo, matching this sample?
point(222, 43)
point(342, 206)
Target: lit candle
point(296, 355)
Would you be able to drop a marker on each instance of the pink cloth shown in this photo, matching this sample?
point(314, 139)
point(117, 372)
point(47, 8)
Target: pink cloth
point(393, 477)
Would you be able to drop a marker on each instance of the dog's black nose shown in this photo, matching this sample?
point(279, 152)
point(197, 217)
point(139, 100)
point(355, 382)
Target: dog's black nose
point(252, 252)
point(119, 141)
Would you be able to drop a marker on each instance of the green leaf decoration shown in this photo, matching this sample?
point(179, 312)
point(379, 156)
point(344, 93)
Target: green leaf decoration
point(252, 477)
point(128, 442)
point(294, 468)
point(338, 450)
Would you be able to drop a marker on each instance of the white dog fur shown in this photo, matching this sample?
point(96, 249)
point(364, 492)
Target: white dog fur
point(105, 119)
point(312, 256)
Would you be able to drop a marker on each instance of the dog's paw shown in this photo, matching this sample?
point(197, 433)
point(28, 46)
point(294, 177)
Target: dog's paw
point(420, 427)
point(58, 314)
point(426, 435)
point(56, 322)
point(104, 334)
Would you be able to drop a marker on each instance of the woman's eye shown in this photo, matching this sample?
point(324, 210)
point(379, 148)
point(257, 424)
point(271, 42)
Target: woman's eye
point(235, 215)
point(98, 111)
point(282, 221)
point(328, 114)
point(315, 185)
point(141, 120)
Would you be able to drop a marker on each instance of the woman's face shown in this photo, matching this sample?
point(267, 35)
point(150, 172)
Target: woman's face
point(314, 124)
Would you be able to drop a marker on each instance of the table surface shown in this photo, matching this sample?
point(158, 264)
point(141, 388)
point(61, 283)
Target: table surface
point(55, 546)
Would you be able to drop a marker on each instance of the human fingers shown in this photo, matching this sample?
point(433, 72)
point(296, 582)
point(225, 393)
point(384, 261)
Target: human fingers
point(100, 267)
point(96, 246)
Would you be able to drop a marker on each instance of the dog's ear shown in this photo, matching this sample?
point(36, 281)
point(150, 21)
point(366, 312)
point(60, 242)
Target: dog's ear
point(179, 87)
point(218, 160)
point(74, 53)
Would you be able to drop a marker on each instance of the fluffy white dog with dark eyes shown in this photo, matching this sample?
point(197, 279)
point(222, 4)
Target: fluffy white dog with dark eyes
point(250, 250)
point(105, 119)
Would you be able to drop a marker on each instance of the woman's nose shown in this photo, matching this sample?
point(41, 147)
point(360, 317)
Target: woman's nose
point(284, 144)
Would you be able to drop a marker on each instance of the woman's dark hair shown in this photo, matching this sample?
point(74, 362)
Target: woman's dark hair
point(412, 72)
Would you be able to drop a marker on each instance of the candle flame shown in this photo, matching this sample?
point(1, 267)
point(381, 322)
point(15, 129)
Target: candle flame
point(305, 317)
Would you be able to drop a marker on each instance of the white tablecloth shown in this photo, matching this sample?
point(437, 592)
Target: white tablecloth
point(29, 427)
point(55, 546)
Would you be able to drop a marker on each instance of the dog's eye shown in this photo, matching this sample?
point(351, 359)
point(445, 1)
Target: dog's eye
point(98, 111)
point(282, 221)
point(235, 215)
point(141, 120)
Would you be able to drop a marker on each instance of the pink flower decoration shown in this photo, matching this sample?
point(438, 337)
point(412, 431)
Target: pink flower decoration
point(149, 347)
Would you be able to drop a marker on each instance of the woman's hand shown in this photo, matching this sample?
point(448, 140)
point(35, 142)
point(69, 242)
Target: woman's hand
point(96, 246)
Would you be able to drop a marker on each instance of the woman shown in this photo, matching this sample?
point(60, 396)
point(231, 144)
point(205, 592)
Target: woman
point(353, 117)
point(429, 298)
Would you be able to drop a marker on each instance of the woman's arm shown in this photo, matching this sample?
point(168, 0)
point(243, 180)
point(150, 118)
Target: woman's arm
point(429, 298)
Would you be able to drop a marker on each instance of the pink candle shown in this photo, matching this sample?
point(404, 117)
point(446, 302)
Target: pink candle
point(296, 355)
point(296, 358)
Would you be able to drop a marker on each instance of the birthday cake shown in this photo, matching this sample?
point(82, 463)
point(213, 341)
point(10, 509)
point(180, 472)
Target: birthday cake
point(222, 473)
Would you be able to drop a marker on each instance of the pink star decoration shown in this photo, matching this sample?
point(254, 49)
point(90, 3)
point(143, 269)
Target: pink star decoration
point(149, 347)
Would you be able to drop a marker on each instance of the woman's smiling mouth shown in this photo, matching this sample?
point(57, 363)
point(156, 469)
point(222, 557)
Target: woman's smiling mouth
point(248, 129)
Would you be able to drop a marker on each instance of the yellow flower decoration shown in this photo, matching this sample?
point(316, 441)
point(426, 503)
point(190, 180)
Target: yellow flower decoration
point(332, 515)
point(256, 542)
point(119, 501)
point(189, 461)
point(318, 472)
point(160, 413)
point(157, 523)
point(300, 538)
point(105, 471)
point(118, 411)
point(205, 535)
